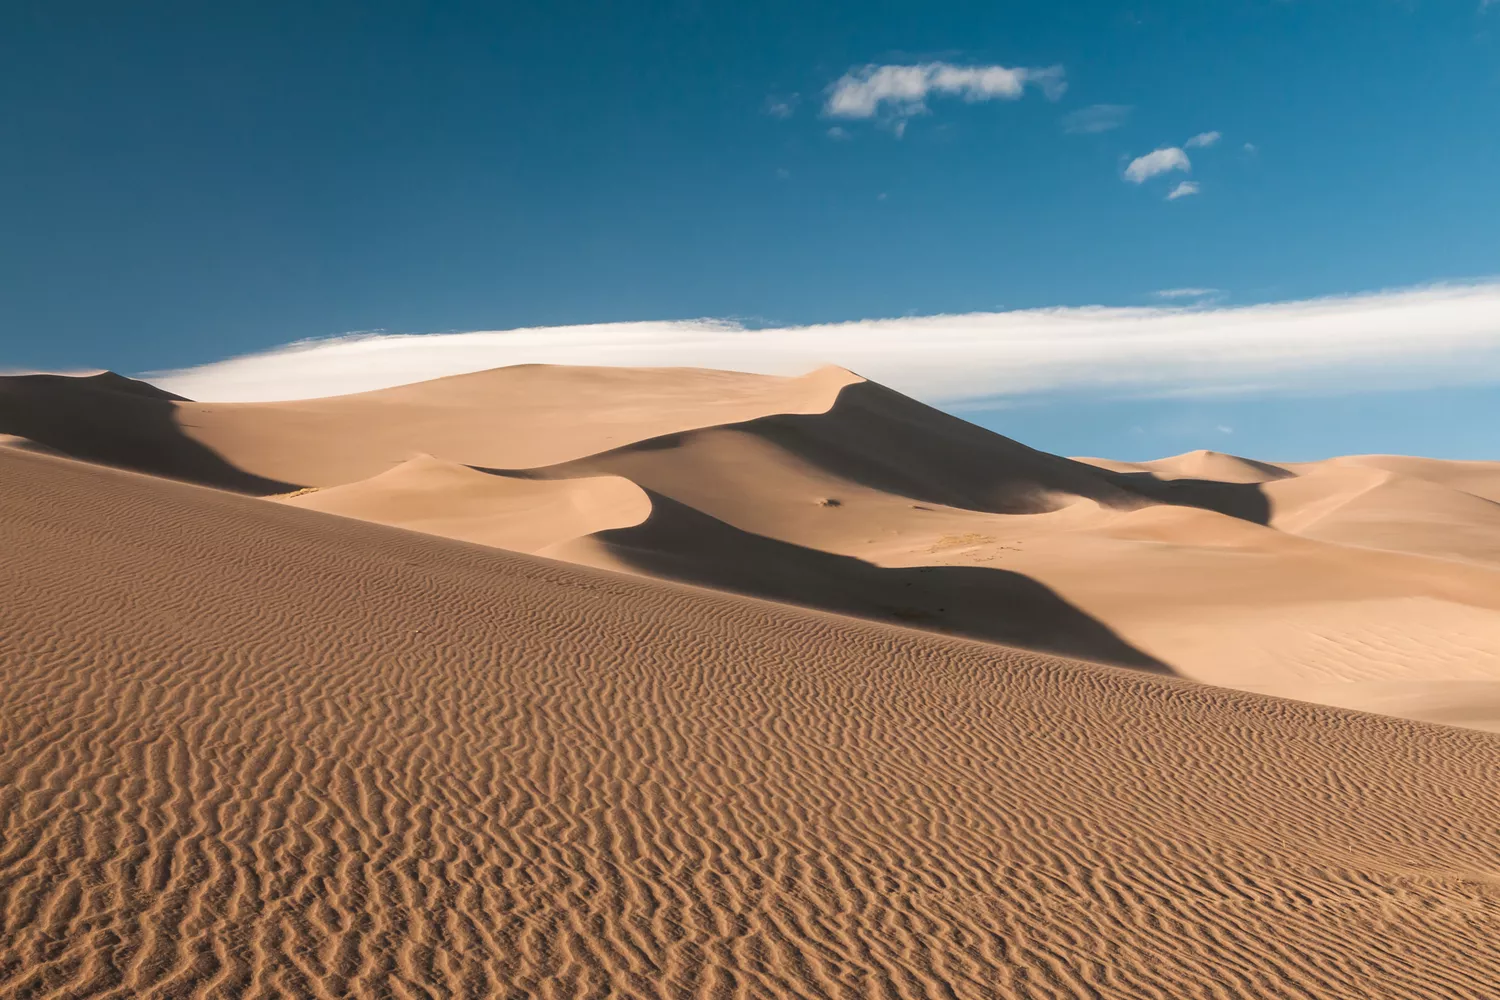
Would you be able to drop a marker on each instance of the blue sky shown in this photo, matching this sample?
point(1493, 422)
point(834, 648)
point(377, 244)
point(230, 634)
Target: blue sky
point(187, 182)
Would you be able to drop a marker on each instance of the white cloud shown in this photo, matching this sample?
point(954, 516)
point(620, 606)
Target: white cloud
point(1158, 162)
point(1183, 189)
point(1251, 148)
point(838, 132)
point(1409, 338)
point(1185, 293)
point(1096, 118)
point(1203, 140)
point(903, 90)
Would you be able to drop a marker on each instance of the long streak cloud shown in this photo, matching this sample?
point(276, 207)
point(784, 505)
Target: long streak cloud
point(1407, 338)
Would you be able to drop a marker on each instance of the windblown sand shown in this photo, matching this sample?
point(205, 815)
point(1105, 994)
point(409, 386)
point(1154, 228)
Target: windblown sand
point(248, 749)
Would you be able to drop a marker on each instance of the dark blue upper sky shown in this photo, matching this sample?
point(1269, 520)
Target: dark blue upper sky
point(185, 181)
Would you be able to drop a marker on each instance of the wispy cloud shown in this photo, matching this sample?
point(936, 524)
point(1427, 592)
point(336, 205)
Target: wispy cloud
point(1183, 189)
point(1160, 161)
point(1203, 140)
point(1095, 118)
point(838, 132)
point(783, 107)
point(902, 91)
point(1409, 338)
point(1185, 293)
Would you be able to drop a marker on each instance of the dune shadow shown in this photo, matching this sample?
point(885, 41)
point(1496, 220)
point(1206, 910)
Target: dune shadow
point(680, 543)
point(877, 438)
point(113, 420)
point(1246, 501)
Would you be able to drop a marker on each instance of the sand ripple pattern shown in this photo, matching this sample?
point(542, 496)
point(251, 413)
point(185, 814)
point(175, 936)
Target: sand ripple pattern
point(253, 751)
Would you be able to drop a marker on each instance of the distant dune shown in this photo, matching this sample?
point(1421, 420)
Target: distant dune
point(1368, 582)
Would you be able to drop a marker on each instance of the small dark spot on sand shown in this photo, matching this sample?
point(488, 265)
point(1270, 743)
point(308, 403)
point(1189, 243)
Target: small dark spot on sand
point(831, 502)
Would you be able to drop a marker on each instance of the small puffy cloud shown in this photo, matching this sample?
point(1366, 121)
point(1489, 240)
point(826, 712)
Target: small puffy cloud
point(838, 132)
point(903, 90)
point(1203, 140)
point(1183, 189)
point(783, 107)
point(1251, 148)
point(1185, 293)
point(1096, 118)
point(1160, 161)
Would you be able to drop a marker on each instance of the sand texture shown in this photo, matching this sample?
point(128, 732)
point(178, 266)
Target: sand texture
point(255, 750)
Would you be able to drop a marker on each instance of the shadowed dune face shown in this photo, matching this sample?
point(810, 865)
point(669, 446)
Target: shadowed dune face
point(679, 543)
point(880, 440)
point(1209, 480)
point(1245, 501)
point(257, 751)
point(118, 421)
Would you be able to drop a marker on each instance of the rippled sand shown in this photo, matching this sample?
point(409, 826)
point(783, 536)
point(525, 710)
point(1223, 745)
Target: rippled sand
point(248, 749)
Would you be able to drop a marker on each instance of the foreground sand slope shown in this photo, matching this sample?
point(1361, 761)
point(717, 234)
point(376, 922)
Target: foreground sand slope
point(249, 750)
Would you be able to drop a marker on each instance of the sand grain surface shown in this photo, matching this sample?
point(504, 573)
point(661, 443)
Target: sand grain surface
point(251, 750)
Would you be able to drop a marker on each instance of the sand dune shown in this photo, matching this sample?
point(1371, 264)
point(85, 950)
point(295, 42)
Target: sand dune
point(1482, 479)
point(511, 417)
point(455, 501)
point(680, 543)
point(1203, 464)
point(117, 421)
point(1375, 508)
point(1305, 580)
point(252, 750)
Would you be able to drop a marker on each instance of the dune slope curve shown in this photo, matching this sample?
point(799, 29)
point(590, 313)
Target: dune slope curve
point(455, 501)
